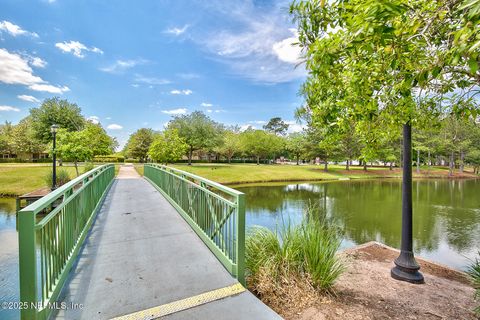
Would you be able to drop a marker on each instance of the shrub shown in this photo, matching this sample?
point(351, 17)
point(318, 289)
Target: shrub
point(88, 166)
point(109, 158)
point(62, 178)
point(303, 255)
point(474, 272)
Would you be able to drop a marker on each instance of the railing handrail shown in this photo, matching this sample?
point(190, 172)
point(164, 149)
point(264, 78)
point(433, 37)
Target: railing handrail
point(46, 200)
point(211, 183)
point(61, 233)
point(217, 220)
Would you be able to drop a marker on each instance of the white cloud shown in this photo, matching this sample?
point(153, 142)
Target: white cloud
point(25, 97)
point(122, 65)
point(244, 127)
point(151, 80)
point(287, 50)
point(215, 111)
point(294, 126)
point(176, 31)
point(135, 85)
point(108, 118)
point(38, 62)
point(258, 47)
point(76, 48)
point(49, 88)
point(8, 108)
point(175, 111)
point(206, 104)
point(94, 119)
point(14, 30)
point(258, 122)
point(186, 92)
point(114, 126)
point(15, 70)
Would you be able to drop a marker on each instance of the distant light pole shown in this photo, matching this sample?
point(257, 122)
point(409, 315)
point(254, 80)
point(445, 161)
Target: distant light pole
point(53, 130)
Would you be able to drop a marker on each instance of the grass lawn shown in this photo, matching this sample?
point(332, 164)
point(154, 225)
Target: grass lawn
point(249, 173)
point(20, 178)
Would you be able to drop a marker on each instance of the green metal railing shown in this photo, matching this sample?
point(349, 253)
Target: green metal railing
point(215, 212)
point(51, 232)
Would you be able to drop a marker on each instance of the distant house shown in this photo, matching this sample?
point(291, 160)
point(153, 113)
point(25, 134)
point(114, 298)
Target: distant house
point(25, 156)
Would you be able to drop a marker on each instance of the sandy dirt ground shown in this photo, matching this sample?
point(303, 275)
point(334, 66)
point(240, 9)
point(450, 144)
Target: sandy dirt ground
point(366, 291)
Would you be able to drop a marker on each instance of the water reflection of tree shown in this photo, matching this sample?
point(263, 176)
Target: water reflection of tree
point(371, 210)
point(7, 210)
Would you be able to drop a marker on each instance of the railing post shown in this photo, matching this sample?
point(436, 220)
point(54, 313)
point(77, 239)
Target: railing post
point(27, 264)
point(241, 238)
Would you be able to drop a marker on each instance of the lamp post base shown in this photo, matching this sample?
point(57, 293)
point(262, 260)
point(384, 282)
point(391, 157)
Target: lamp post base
point(406, 269)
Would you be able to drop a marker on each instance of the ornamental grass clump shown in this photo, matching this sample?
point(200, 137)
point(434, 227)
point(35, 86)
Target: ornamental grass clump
point(295, 263)
point(62, 177)
point(474, 272)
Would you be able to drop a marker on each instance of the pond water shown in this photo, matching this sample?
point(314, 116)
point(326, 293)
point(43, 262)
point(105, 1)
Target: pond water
point(446, 218)
point(8, 257)
point(446, 213)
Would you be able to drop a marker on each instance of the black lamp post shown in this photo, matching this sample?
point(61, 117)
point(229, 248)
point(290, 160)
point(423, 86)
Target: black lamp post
point(406, 267)
point(53, 130)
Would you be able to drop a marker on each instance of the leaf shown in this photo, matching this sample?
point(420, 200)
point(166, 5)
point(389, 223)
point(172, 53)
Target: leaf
point(473, 64)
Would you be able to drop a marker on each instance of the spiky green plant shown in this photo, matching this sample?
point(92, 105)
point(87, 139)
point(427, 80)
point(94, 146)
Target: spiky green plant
point(474, 272)
point(307, 250)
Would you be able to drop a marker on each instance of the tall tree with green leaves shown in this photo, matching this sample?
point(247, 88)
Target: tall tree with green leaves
point(24, 138)
point(85, 144)
point(260, 144)
point(377, 62)
point(6, 138)
point(231, 145)
point(55, 111)
point(139, 143)
point(167, 147)
point(276, 126)
point(198, 130)
point(296, 145)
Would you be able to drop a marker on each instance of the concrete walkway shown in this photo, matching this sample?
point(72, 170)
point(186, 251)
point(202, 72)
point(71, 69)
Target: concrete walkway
point(141, 254)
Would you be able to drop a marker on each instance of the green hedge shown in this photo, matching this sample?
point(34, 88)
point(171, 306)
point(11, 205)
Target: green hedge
point(109, 159)
point(16, 160)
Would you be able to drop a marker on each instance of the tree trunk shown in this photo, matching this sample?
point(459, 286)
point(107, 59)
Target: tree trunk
point(298, 158)
point(429, 160)
point(190, 154)
point(451, 164)
point(258, 160)
point(418, 161)
point(325, 168)
point(230, 159)
point(347, 166)
point(76, 167)
point(365, 166)
point(462, 158)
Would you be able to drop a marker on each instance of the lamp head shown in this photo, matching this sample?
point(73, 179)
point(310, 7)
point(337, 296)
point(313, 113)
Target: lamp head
point(54, 128)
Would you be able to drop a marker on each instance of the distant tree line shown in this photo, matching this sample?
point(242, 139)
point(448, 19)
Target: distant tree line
point(448, 141)
point(78, 139)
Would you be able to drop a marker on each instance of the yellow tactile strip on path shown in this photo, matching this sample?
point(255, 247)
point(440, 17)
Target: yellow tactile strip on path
point(184, 304)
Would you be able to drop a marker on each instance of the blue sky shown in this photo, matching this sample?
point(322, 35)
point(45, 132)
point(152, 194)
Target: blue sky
point(132, 64)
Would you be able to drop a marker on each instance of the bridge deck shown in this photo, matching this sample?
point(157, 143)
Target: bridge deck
point(140, 254)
